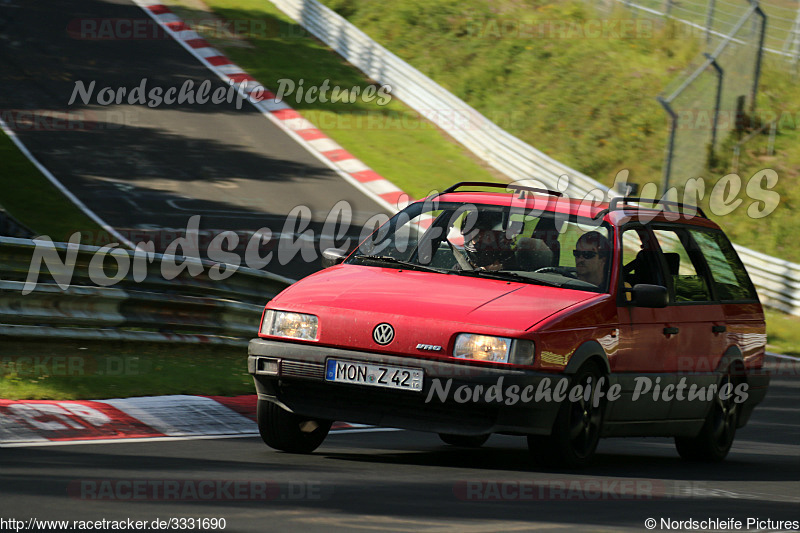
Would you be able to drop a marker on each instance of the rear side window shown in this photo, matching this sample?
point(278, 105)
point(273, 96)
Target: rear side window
point(684, 266)
point(640, 259)
point(731, 281)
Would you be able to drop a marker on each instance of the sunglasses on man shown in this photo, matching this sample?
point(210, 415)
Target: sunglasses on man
point(589, 254)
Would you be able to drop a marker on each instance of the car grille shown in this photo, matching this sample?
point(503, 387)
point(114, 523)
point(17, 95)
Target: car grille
point(300, 369)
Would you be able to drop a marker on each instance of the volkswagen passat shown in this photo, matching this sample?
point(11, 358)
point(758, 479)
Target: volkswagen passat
point(474, 312)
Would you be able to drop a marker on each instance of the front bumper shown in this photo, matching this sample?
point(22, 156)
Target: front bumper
point(455, 397)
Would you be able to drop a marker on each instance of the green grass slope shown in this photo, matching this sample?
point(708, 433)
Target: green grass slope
point(586, 98)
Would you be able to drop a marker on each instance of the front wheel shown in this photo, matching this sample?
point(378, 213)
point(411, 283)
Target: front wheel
point(714, 441)
point(577, 428)
point(289, 432)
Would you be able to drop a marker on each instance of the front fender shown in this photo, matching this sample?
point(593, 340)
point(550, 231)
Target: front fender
point(587, 350)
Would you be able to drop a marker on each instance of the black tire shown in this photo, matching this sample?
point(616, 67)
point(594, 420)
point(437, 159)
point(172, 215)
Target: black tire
point(464, 441)
point(714, 441)
point(289, 432)
point(577, 428)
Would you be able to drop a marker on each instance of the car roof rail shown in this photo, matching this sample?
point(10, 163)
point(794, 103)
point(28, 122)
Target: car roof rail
point(505, 186)
point(614, 205)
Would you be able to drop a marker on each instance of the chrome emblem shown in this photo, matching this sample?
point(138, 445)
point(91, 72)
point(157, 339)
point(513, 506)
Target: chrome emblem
point(429, 347)
point(383, 334)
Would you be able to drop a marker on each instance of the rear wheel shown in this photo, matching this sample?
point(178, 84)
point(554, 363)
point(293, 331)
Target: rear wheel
point(714, 441)
point(465, 441)
point(577, 428)
point(289, 432)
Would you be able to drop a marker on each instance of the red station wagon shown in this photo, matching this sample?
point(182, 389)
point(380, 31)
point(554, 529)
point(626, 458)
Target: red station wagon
point(522, 313)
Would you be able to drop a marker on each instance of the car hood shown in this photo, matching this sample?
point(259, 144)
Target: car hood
point(389, 293)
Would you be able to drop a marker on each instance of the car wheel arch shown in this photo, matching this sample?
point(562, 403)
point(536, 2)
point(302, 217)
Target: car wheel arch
point(588, 351)
point(732, 359)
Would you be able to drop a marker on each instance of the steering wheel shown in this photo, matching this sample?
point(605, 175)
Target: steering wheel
point(557, 270)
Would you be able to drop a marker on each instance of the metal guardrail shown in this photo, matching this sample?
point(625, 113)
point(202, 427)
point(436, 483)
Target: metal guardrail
point(499, 148)
point(777, 282)
point(774, 278)
point(185, 309)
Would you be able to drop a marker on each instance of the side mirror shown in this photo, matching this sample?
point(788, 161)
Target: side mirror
point(332, 256)
point(645, 295)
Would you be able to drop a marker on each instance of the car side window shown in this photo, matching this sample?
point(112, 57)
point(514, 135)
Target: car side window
point(640, 259)
point(684, 263)
point(731, 281)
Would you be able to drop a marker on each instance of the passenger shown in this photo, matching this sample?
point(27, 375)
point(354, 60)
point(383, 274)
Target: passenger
point(489, 248)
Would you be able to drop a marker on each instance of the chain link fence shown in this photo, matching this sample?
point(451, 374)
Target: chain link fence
point(716, 95)
point(716, 19)
point(714, 100)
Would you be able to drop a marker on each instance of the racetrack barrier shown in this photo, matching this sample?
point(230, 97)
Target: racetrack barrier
point(184, 309)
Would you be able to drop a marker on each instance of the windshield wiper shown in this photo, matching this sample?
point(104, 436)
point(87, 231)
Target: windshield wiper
point(400, 262)
point(505, 275)
point(494, 274)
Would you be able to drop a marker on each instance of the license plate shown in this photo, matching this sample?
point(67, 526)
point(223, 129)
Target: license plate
point(390, 377)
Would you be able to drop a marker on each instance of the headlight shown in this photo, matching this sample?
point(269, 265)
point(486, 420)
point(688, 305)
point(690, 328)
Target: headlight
point(494, 349)
point(482, 348)
point(292, 325)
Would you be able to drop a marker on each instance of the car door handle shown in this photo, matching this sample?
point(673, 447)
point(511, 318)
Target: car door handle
point(671, 331)
point(718, 329)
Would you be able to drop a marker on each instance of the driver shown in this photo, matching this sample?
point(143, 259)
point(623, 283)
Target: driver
point(591, 258)
point(489, 248)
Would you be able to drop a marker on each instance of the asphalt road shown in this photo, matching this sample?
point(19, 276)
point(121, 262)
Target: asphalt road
point(400, 481)
point(141, 168)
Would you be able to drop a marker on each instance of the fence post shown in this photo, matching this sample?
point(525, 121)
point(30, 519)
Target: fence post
point(717, 100)
point(792, 45)
point(759, 55)
point(670, 144)
point(773, 129)
point(710, 19)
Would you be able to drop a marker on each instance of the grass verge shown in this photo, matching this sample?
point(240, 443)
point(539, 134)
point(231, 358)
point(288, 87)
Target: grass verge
point(82, 370)
point(783, 333)
point(392, 139)
point(30, 197)
point(589, 100)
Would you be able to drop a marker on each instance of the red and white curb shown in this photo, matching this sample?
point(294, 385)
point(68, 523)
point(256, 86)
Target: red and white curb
point(39, 422)
point(300, 129)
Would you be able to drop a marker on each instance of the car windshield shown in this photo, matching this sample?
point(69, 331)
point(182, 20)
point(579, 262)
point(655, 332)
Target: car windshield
point(492, 241)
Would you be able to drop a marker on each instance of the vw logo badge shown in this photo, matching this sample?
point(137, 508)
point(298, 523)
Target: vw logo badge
point(383, 334)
